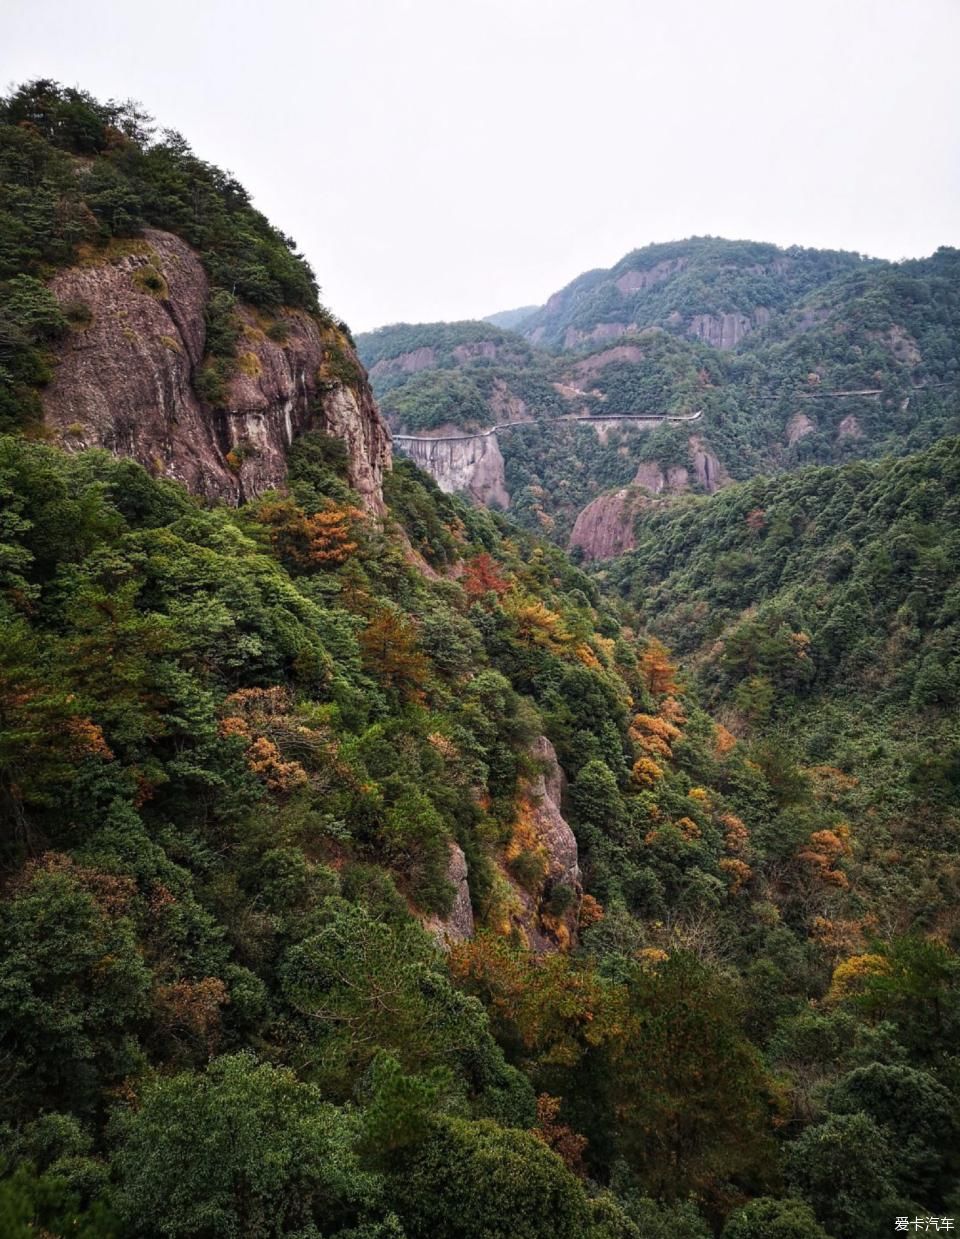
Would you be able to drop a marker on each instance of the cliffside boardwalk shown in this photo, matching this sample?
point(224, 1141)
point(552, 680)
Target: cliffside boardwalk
point(653, 419)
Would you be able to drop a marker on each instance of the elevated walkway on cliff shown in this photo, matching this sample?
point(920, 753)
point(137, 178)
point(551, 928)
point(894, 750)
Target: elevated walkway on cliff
point(652, 419)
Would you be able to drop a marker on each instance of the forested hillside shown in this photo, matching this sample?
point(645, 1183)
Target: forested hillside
point(368, 870)
point(704, 287)
point(819, 610)
point(238, 748)
point(793, 356)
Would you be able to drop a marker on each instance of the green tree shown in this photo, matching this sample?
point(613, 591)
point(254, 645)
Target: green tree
point(773, 1219)
point(362, 986)
point(73, 987)
point(241, 1150)
point(32, 1204)
point(918, 1115)
point(845, 1168)
point(480, 1181)
point(689, 1091)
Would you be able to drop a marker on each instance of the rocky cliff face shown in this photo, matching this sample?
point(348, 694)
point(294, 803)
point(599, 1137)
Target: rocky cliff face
point(657, 479)
point(457, 925)
point(725, 331)
point(592, 365)
point(405, 363)
point(546, 917)
point(575, 337)
point(125, 381)
point(428, 356)
point(605, 527)
point(639, 280)
point(849, 428)
point(798, 427)
point(709, 472)
point(472, 466)
point(722, 331)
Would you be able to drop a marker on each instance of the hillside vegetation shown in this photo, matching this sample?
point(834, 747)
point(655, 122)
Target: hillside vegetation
point(377, 873)
point(760, 339)
point(820, 610)
point(236, 748)
point(677, 284)
point(79, 179)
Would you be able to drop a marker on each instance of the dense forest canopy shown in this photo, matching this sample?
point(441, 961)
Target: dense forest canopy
point(820, 609)
point(387, 876)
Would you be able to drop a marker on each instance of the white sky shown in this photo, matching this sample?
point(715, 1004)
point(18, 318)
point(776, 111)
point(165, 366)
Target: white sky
point(442, 159)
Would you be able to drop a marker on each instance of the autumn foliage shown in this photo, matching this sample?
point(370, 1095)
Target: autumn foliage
point(657, 669)
point(483, 575)
point(823, 853)
point(391, 653)
point(559, 1136)
point(304, 543)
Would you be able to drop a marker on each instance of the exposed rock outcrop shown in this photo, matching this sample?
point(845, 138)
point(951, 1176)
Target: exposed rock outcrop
point(798, 427)
point(429, 357)
point(900, 343)
point(457, 925)
point(470, 465)
point(574, 336)
point(638, 281)
point(476, 348)
point(598, 361)
point(656, 479)
point(546, 917)
point(604, 528)
point(506, 405)
point(710, 474)
point(405, 363)
point(722, 331)
point(125, 381)
point(725, 331)
point(849, 428)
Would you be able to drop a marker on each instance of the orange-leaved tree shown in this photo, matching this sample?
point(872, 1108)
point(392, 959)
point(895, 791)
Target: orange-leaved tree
point(304, 543)
point(390, 653)
point(482, 575)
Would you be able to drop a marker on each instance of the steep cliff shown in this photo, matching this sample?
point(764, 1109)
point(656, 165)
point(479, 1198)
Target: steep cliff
point(606, 526)
point(545, 908)
point(125, 379)
point(709, 472)
point(725, 331)
point(472, 466)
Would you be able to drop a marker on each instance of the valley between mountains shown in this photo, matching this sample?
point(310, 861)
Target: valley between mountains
point(479, 780)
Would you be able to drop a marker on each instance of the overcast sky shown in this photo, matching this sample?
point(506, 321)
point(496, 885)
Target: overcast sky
point(448, 158)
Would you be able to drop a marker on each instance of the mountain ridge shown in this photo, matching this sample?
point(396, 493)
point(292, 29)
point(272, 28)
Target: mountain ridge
point(371, 870)
point(845, 357)
point(147, 307)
